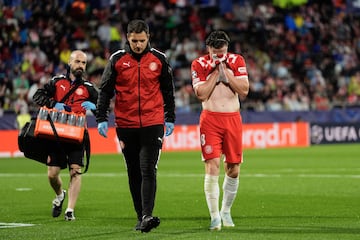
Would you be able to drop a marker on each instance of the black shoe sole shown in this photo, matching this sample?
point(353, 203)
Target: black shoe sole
point(153, 223)
point(69, 218)
point(56, 211)
point(137, 226)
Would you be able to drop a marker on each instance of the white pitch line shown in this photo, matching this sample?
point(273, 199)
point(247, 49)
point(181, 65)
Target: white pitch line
point(14, 225)
point(327, 176)
point(304, 170)
point(23, 189)
point(254, 175)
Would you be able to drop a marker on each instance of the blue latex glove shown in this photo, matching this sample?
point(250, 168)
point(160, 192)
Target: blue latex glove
point(88, 105)
point(103, 129)
point(59, 106)
point(169, 128)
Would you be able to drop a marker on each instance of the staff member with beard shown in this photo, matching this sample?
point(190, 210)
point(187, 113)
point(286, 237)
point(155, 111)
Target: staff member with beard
point(70, 154)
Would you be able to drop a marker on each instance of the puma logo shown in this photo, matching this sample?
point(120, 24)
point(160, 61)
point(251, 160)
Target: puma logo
point(126, 64)
point(63, 87)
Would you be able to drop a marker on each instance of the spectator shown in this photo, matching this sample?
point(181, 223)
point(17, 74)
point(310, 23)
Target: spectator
point(6, 90)
point(354, 89)
point(182, 99)
point(22, 111)
point(21, 84)
point(317, 41)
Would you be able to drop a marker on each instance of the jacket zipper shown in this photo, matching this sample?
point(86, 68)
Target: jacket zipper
point(139, 92)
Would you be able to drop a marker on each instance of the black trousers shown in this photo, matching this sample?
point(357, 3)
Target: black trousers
point(142, 148)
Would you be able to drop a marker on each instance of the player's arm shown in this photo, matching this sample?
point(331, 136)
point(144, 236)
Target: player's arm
point(204, 89)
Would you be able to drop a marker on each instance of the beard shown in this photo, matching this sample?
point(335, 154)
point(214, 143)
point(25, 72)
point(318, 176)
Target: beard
point(78, 73)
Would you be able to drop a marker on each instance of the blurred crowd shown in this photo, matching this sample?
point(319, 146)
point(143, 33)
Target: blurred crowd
point(299, 58)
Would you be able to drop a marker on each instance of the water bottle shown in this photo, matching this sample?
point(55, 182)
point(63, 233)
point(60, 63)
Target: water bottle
point(53, 115)
point(80, 121)
point(71, 119)
point(62, 117)
point(42, 114)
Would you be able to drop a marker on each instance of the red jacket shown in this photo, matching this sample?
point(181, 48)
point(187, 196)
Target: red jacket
point(59, 86)
point(143, 87)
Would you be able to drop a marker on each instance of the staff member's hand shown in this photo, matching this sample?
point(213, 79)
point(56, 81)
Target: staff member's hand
point(169, 128)
point(103, 129)
point(88, 105)
point(60, 106)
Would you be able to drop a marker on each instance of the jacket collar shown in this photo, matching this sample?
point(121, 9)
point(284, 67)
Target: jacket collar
point(135, 55)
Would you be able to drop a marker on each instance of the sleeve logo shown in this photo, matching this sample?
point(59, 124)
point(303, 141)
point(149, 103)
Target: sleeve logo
point(242, 70)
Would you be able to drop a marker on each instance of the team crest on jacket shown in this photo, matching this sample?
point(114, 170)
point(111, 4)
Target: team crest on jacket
point(153, 66)
point(79, 91)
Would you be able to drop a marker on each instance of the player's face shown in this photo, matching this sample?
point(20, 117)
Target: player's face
point(218, 51)
point(78, 64)
point(138, 41)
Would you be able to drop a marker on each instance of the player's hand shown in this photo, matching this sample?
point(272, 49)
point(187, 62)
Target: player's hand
point(103, 129)
point(88, 105)
point(216, 59)
point(169, 128)
point(60, 106)
point(222, 76)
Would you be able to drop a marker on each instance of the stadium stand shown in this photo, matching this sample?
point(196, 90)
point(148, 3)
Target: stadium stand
point(299, 58)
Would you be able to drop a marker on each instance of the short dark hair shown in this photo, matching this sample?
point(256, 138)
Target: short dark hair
point(217, 39)
point(137, 26)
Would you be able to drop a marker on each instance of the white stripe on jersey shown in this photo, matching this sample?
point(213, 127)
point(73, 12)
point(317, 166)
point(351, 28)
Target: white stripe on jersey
point(118, 51)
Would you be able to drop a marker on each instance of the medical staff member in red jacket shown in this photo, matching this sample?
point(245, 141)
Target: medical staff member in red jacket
point(141, 79)
point(83, 98)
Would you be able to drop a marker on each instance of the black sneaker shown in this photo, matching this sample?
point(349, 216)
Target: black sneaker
point(137, 226)
point(57, 205)
point(69, 216)
point(149, 223)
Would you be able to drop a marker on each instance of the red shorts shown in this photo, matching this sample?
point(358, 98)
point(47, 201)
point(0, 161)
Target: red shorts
point(221, 133)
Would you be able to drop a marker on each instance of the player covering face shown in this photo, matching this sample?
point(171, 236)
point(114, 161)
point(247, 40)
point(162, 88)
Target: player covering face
point(219, 79)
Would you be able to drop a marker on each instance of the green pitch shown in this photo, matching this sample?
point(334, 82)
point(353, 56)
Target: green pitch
point(299, 193)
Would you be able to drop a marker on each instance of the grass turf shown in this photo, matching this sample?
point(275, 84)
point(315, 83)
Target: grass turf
point(295, 193)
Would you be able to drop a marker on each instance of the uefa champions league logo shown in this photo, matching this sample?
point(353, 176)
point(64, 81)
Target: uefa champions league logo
point(317, 134)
